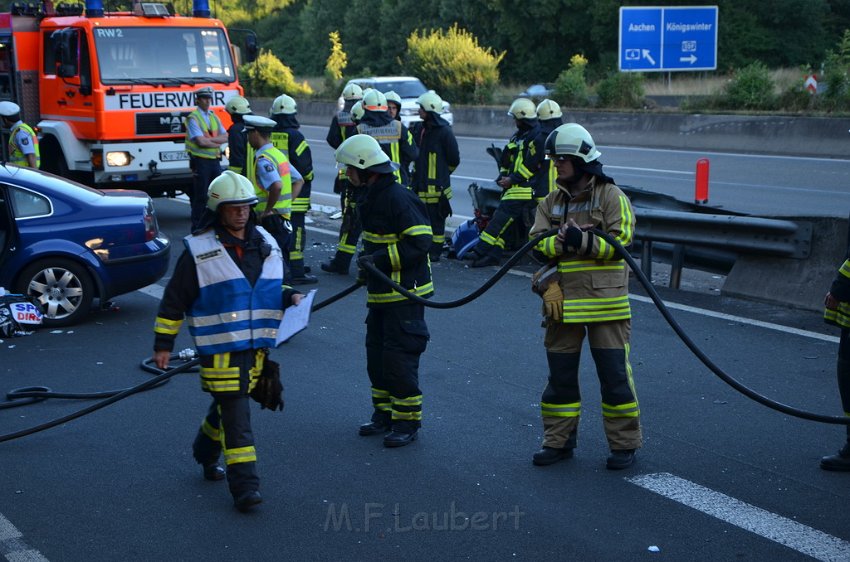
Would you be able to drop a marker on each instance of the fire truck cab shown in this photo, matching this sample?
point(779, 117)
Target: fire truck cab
point(108, 91)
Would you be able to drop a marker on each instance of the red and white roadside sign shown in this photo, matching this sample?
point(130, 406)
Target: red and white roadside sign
point(811, 83)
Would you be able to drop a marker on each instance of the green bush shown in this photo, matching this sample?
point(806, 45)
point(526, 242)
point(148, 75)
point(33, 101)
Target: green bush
point(453, 64)
point(621, 90)
point(750, 88)
point(571, 85)
point(269, 77)
point(837, 76)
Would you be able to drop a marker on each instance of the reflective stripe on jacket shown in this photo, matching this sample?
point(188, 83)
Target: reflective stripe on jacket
point(593, 279)
point(230, 315)
point(16, 155)
point(214, 129)
point(840, 289)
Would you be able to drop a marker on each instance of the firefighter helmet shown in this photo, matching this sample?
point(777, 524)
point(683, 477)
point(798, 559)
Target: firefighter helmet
point(430, 101)
point(284, 105)
point(352, 92)
point(237, 105)
point(374, 100)
point(230, 188)
point(548, 109)
point(357, 111)
point(523, 108)
point(393, 97)
point(364, 153)
point(9, 109)
point(571, 139)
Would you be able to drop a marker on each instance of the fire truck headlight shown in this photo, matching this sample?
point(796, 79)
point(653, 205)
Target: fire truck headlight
point(118, 159)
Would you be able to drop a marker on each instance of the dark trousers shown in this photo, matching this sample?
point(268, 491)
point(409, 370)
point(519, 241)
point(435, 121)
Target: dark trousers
point(350, 229)
point(297, 243)
point(227, 428)
point(844, 373)
point(281, 231)
point(204, 171)
point(493, 238)
point(437, 213)
point(395, 339)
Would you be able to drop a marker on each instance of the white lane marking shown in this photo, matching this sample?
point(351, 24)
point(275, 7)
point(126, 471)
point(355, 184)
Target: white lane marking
point(740, 319)
point(786, 532)
point(156, 291)
point(723, 316)
point(22, 552)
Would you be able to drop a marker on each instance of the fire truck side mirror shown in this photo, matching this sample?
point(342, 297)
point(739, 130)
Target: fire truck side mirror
point(64, 43)
point(252, 49)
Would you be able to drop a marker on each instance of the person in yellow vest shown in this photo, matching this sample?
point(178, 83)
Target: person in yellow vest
point(23, 142)
point(274, 180)
point(837, 313)
point(204, 136)
point(585, 294)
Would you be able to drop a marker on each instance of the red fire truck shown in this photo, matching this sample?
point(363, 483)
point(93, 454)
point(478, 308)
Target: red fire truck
point(108, 91)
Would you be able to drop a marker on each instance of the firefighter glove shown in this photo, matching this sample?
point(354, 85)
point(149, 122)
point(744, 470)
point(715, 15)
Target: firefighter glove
point(445, 207)
point(573, 237)
point(553, 302)
point(268, 391)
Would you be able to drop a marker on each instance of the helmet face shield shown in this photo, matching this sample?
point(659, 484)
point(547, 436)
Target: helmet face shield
point(523, 108)
point(571, 140)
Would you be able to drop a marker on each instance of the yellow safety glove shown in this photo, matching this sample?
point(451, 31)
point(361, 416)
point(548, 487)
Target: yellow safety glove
point(553, 302)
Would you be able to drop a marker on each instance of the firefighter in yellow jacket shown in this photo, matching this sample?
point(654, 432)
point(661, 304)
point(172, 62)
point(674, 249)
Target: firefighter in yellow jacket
point(585, 294)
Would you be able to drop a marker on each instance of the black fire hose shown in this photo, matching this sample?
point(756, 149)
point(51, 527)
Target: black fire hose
point(720, 373)
point(32, 394)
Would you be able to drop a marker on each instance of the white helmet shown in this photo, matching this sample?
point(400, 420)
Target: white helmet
point(523, 108)
point(548, 109)
point(364, 153)
point(284, 105)
point(571, 139)
point(352, 92)
point(357, 111)
point(230, 188)
point(237, 105)
point(374, 100)
point(393, 97)
point(430, 101)
point(9, 109)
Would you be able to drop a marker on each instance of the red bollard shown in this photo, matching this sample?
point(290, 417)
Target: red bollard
point(701, 193)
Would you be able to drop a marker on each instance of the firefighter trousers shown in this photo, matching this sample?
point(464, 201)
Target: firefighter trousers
point(297, 243)
point(396, 337)
point(349, 231)
point(561, 401)
point(204, 171)
point(493, 238)
point(280, 229)
point(843, 369)
point(227, 428)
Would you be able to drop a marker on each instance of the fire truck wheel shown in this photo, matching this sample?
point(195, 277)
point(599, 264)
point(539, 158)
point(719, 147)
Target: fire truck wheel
point(62, 287)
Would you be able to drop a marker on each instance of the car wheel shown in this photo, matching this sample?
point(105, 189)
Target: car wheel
point(62, 288)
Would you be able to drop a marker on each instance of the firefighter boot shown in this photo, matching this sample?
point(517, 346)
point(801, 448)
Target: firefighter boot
point(298, 275)
point(840, 461)
point(339, 264)
point(381, 423)
point(550, 455)
point(435, 252)
point(246, 501)
point(399, 438)
point(213, 472)
point(620, 459)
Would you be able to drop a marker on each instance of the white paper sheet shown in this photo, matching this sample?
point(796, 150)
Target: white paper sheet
point(295, 319)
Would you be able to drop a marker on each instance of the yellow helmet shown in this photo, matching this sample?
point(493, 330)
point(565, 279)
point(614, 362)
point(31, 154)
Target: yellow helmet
point(364, 153)
point(237, 105)
point(548, 109)
point(374, 100)
point(230, 188)
point(352, 92)
point(284, 105)
point(571, 139)
point(430, 101)
point(357, 111)
point(523, 108)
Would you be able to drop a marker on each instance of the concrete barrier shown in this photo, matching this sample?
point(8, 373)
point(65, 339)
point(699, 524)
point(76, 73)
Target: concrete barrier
point(792, 282)
point(753, 134)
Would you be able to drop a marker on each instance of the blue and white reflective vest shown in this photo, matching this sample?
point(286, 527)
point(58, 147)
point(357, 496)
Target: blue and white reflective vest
point(230, 315)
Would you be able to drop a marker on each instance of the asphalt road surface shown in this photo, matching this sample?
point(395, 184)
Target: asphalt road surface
point(719, 477)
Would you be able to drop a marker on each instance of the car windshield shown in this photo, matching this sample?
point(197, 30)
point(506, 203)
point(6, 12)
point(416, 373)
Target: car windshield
point(144, 55)
point(404, 88)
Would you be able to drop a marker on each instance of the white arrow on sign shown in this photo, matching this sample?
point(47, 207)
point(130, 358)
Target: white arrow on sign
point(691, 59)
point(645, 54)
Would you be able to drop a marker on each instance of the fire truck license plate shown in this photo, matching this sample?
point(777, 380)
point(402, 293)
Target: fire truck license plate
point(174, 156)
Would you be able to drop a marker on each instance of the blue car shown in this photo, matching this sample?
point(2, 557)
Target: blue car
point(65, 244)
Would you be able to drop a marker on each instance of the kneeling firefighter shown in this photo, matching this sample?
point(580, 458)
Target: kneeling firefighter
point(585, 293)
point(228, 283)
point(396, 240)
